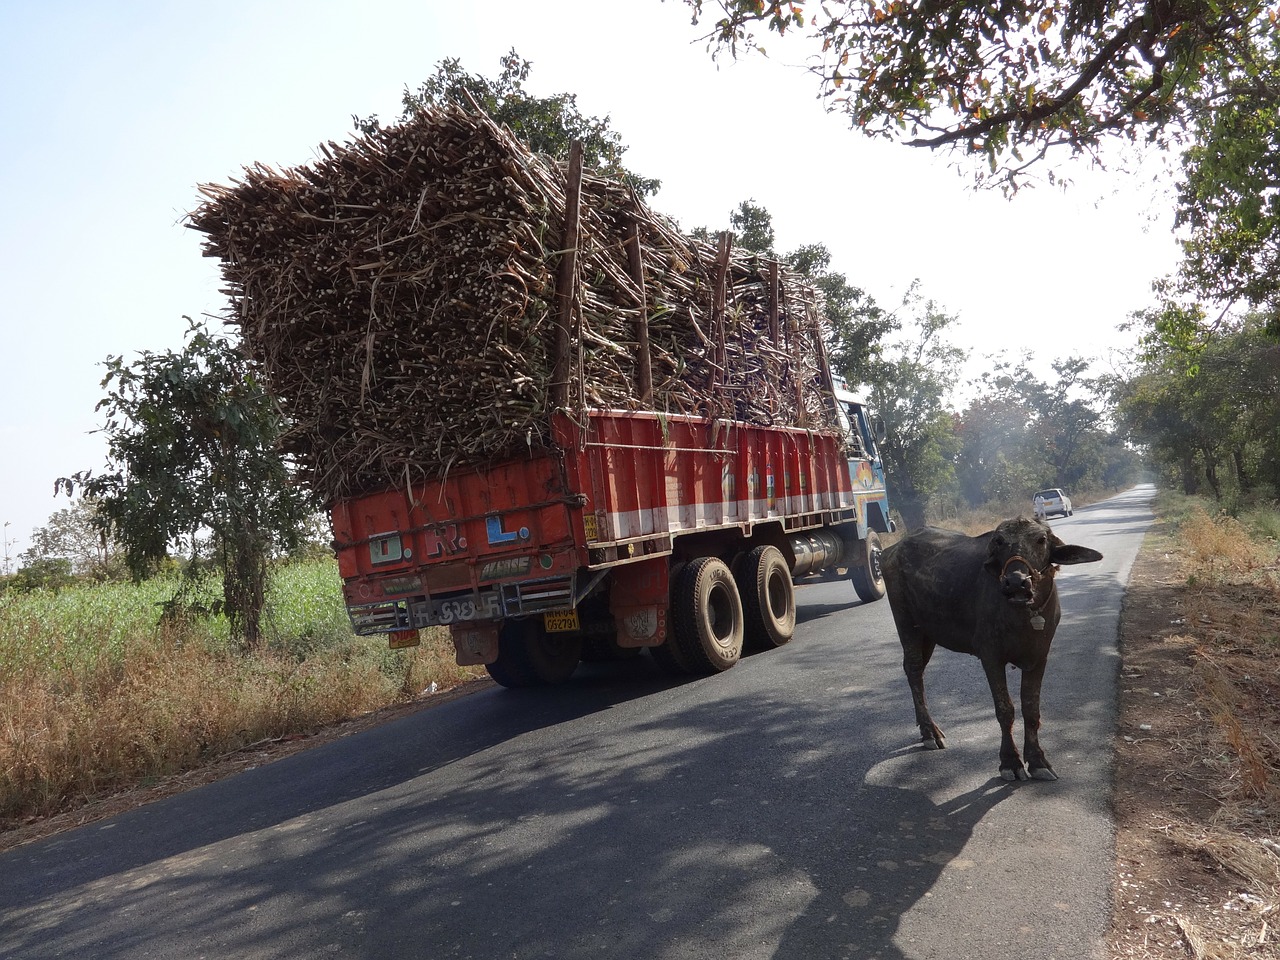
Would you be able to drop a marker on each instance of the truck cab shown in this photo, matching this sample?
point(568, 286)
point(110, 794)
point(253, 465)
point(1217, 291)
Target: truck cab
point(863, 433)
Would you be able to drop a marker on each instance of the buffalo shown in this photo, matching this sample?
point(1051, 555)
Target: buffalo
point(992, 596)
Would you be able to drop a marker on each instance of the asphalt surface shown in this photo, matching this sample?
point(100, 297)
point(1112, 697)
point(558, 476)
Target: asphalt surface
point(783, 809)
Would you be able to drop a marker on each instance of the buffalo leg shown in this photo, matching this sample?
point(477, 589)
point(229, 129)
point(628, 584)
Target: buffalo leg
point(915, 657)
point(1010, 763)
point(1037, 762)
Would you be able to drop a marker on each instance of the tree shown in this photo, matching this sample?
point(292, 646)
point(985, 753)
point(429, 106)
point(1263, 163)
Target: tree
point(41, 573)
point(1014, 81)
point(194, 451)
point(1228, 201)
point(910, 385)
point(1205, 399)
point(1022, 433)
point(752, 227)
point(79, 536)
point(999, 457)
point(858, 325)
point(1066, 421)
point(546, 125)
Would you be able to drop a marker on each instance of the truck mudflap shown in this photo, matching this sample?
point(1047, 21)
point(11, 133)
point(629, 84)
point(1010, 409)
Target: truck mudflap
point(638, 599)
point(475, 644)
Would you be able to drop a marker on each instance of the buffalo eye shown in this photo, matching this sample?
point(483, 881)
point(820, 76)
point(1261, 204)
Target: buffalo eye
point(997, 541)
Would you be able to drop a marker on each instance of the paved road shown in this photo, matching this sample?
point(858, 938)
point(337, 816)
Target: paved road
point(780, 810)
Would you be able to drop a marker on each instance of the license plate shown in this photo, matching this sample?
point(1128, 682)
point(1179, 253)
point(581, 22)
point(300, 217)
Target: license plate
point(401, 639)
point(561, 621)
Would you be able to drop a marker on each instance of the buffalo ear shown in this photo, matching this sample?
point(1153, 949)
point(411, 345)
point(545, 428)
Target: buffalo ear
point(1070, 553)
point(993, 562)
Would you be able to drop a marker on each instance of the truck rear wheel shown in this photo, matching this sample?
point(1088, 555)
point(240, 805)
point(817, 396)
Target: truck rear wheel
point(528, 656)
point(706, 613)
point(768, 598)
point(554, 656)
point(867, 577)
point(512, 668)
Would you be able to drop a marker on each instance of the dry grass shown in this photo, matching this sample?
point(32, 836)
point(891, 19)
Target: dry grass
point(1253, 861)
point(117, 701)
point(1233, 607)
point(977, 520)
point(1198, 829)
point(1220, 546)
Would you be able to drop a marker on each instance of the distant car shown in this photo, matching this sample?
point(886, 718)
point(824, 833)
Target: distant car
point(1050, 503)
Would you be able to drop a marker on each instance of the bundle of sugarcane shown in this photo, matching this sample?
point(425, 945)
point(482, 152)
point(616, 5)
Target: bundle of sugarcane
point(400, 297)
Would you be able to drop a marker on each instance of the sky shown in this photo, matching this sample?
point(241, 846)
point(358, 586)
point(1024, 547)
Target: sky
point(112, 114)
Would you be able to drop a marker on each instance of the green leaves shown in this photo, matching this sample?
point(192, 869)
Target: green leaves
point(1205, 399)
point(546, 124)
point(752, 227)
point(194, 461)
point(1228, 203)
point(911, 383)
point(1038, 76)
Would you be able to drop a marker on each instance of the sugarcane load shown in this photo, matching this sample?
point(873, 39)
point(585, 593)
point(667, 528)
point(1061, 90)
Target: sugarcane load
point(539, 413)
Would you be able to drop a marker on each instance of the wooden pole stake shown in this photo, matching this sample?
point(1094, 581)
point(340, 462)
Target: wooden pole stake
point(566, 287)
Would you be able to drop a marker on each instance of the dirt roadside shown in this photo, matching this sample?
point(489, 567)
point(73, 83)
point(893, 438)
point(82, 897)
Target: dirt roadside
point(1198, 873)
point(1196, 813)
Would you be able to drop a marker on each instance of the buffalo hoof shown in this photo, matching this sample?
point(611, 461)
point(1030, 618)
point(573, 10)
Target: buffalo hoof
point(932, 739)
point(1043, 773)
point(1013, 773)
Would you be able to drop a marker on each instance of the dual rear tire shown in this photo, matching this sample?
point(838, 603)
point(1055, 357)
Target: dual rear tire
point(706, 620)
point(715, 615)
point(768, 598)
point(528, 656)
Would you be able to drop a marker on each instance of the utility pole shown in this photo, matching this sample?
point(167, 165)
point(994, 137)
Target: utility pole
point(7, 544)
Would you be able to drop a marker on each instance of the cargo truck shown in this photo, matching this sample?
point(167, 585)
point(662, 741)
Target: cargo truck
point(555, 426)
point(683, 535)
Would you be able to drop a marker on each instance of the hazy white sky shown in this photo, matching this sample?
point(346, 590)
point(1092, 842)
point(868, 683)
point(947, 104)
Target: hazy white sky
point(111, 114)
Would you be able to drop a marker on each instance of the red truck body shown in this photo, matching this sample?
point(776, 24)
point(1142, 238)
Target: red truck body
point(608, 511)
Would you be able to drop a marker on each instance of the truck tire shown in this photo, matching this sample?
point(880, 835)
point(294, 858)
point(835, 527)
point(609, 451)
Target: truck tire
point(768, 598)
point(706, 615)
point(512, 669)
point(528, 656)
point(867, 577)
point(666, 655)
point(554, 656)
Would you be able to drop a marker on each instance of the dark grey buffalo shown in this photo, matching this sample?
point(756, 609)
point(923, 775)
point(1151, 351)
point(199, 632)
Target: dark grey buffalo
point(993, 596)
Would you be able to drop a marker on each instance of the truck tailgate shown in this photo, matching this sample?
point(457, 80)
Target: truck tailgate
point(511, 521)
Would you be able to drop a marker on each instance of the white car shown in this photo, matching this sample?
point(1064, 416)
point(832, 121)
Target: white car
point(1051, 502)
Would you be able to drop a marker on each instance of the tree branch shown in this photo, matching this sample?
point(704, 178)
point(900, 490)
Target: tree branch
point(1091, 71)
